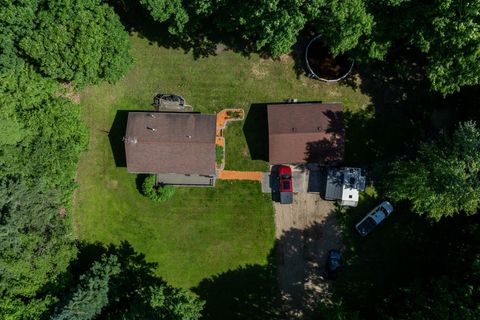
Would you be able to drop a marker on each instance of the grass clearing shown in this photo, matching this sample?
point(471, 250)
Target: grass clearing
point(200, 232)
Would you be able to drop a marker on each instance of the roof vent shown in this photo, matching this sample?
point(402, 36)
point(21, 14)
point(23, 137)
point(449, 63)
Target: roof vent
point(152, 115)
point(189, 136)
point(152, 129)
point(294, 129)
point(130, 140)
point(319, 128)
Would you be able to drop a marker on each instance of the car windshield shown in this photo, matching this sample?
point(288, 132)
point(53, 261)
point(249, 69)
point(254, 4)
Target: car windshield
point(384, 211)
point(286, 184)
point(367, 225)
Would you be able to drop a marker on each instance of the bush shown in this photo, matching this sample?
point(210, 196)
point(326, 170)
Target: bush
point(234, 114)
point(156, 193)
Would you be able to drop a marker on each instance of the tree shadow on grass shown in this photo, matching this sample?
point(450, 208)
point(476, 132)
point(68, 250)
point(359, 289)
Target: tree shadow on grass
point(296, 262)
point(198, 35)
point(134, 262)
point(248, 292)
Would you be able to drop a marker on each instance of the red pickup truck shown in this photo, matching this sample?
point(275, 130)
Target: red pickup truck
point(286, 188)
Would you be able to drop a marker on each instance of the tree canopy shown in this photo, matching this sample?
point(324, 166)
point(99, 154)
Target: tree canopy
point(342, 24)
point(451, 41)
point(444, 31)
point(81, 41)
point(442, 298)
point(90, 296)
point(443, 179)
point(46, 133)
point(270, 27)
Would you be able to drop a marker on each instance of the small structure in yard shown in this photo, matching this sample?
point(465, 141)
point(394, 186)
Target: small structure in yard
point(343, 185)
point(171, 103)
point(322, 65)
point(178, 147)
point(301, 133)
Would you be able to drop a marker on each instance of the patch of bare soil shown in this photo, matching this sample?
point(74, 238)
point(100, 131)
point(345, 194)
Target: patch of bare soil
point(305, 230)
point(220, 48)
point(259, 71)
point(62, 212)
point(285, 58)
point(69, 93)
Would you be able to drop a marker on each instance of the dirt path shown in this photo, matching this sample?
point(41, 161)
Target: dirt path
point(305, 230)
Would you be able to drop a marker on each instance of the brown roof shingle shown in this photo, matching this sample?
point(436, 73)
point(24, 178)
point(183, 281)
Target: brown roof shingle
point(305, 132)
point(170, 143)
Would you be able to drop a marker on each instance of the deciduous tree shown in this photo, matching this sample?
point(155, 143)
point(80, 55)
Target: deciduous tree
point(443, 179)
point(342, 24)
point(35, 243)
point(46, 133)
point(90, 296)
point(81, 41)
point(451, 40)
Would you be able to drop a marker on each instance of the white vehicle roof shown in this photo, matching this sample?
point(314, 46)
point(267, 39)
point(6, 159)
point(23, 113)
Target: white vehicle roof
point(378, 214)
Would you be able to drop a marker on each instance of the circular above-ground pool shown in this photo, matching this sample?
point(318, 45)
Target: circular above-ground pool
point(322, 65)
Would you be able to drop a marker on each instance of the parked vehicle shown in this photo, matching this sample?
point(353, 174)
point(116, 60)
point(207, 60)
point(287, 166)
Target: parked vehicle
point(286, 187)
point(374, 217)
point(333, 265)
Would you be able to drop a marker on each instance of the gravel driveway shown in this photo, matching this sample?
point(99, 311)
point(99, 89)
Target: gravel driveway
point(305, 231)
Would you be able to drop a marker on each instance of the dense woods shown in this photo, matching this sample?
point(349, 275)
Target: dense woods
point(444, 32)
point(443, 179)
point(45, 44)
point(42, 45)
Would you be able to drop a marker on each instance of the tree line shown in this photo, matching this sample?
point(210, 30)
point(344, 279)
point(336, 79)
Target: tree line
point(45, 46)
point(443, 32)
point(47, 43)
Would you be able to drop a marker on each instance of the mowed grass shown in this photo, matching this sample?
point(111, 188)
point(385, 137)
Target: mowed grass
point(201, 232)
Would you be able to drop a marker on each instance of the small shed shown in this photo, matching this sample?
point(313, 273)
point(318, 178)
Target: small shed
point(344, 185)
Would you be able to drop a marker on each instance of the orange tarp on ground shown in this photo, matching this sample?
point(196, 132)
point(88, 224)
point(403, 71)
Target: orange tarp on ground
point(240, 175)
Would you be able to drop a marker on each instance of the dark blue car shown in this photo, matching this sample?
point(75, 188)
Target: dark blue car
point(334, 263)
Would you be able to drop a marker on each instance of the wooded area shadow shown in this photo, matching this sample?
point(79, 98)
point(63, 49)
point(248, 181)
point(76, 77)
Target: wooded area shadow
point(198, 36)
point(137, 267)
point(115, 136)
point(255, 130)
point(135, 274)
point(402, 249)
point(248, 292)
point(403, 109)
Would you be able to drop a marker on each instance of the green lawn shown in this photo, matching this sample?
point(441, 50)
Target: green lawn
point(201, 232)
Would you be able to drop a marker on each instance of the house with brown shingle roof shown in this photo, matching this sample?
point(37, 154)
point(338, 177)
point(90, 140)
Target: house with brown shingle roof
point(178, 147)
point(306, 133)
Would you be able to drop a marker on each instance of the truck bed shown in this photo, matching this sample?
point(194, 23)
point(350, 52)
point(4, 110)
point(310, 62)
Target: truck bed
point(286, 197)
